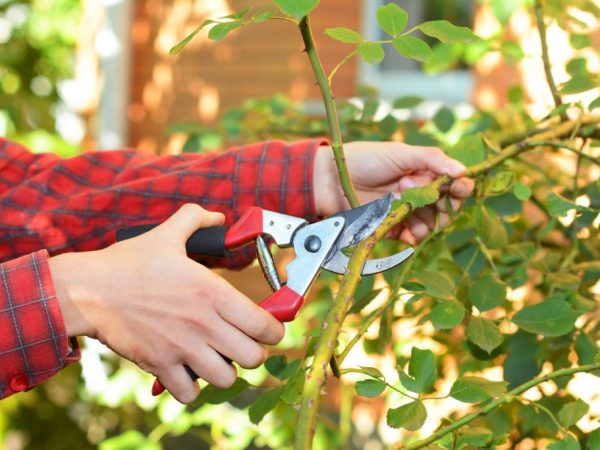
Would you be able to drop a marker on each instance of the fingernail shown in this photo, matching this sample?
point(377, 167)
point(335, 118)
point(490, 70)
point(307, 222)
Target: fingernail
point(454, 168)
point(407, 183)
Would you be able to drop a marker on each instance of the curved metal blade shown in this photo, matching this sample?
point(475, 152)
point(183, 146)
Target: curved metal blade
point(339, 262)
point(361, 222)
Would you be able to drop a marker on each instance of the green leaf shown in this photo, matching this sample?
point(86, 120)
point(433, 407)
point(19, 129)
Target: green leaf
point(412, 47)
point(293, 389)
point(220, 30)
point(371, 52)
point(568, 443)
point(579, 41)
point(275, 365)
point(593, 442)
point(501, 182)
point(550, 318)
point(571, 412)
point(484, 333)
point(436, 284)
point(585, 348)
point(422, 371)
point(490, 229)
point(444, 119)
point(296, 8)
point(512, 51)
point(371, 371)
point(370, 388)
point(410, 101)
point(522, 191)
point(214, 395)
point(559, 206)
point(447, 32)
point(446, 315)
point(177, 48)
point(469, 150)
point(345, 35)
point(392, 19)
point(579, 83)
point(444, 57)
point(411, 416)
point(594, 104)
point(263, 16)
point(474, 437)
point(130, 440)
point(264, 403)
point(476, 389)
point(420, 196)
point(364, 301)
point(487, 292)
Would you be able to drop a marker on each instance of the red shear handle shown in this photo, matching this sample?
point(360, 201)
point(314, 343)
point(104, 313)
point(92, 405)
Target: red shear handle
point(283, 304)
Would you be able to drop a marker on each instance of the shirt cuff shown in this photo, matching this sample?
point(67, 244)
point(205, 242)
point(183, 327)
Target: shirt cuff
point(33, 341)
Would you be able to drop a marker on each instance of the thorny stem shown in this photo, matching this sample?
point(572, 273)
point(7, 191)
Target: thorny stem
point(489, 407)
point(566, 147)
point(317, 375)
point(331, 112)
point(539, 14)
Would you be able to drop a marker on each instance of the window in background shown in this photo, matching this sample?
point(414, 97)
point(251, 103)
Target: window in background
point(398, 76)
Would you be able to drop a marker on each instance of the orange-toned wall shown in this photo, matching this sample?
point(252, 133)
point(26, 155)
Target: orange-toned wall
point(207, 78)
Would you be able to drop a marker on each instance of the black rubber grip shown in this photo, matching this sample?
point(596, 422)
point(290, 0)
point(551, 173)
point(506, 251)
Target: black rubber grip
point(205, 241)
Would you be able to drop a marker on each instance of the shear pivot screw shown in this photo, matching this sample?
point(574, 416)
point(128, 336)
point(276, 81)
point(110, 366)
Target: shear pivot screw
point(312, 243)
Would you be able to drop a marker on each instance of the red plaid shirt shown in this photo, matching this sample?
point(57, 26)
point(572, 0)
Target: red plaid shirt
point(52, 205)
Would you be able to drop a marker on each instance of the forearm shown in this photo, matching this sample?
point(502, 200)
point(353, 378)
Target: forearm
point(78, 204)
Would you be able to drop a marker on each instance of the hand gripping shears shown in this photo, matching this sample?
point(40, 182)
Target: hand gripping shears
point(317, 246)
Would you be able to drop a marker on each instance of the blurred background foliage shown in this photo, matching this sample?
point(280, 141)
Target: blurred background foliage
point(37, 57)
point(506, 231)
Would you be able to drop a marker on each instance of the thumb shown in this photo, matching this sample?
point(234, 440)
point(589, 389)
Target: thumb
point(189, 218)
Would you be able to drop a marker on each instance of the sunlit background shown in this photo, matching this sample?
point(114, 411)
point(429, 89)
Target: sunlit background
point(88, 75)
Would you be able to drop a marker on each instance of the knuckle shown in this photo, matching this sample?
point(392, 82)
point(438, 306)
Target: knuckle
point(226, 378)
point(254, 357)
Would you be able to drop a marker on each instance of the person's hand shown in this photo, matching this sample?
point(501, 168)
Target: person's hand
point(378, 168)
point(150, 303)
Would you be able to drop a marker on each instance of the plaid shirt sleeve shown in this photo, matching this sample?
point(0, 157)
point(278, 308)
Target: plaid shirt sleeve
point(33, 342)
point(78, 204)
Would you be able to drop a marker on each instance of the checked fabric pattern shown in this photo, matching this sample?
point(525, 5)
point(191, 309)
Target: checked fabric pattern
point(57, 205)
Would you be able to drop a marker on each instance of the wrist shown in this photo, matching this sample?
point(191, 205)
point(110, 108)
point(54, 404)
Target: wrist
point(69, 272)
point(326, 186)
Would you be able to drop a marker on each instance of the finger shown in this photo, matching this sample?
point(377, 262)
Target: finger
point(177, 381)
point(443, 219)
point(441, 204)
point(189, 218)
point(407, 237)
point(417, 227)
point(462, 187)
point(411, 181)
point(231, 342)
point(433, 159)
point(251, 319)
point(427, 216)
point(210, 366)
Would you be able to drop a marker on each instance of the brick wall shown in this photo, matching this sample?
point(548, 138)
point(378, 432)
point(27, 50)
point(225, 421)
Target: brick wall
point(207, 78)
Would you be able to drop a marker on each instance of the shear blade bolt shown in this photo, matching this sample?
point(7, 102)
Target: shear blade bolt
point(312, 243)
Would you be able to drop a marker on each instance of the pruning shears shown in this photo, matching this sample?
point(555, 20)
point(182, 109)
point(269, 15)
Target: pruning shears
point(317, 246)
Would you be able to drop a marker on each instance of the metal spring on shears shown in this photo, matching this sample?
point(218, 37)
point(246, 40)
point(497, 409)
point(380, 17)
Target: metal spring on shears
point(267, 264)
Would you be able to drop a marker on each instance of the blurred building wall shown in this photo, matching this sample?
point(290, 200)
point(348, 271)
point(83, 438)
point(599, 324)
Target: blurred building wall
point(207, 78)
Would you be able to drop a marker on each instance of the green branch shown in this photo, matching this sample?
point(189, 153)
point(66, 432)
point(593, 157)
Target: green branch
point(566, 147)
point(539, 15)
point(508, 397)
point(331, 112)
